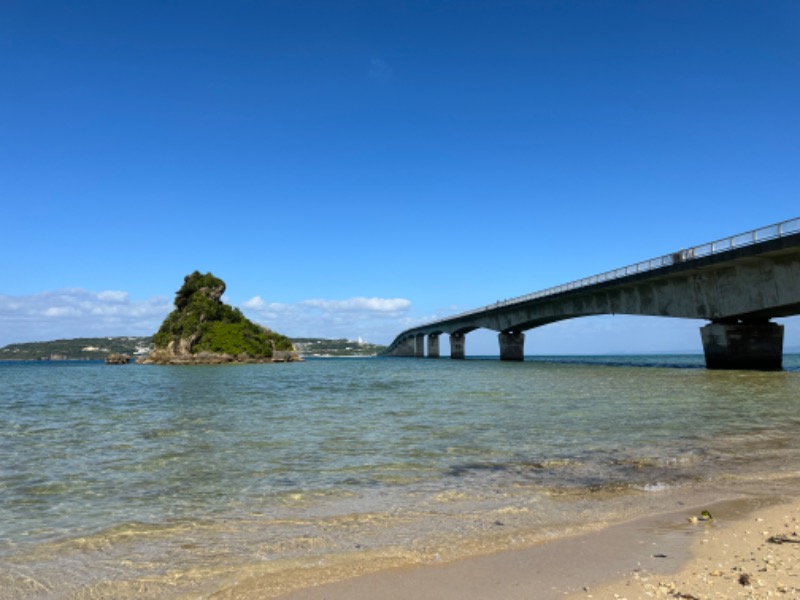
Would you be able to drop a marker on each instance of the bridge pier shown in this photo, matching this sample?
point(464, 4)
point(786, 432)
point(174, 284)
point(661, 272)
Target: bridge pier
point(512, 345)
point(419, 346)
point(405, 348)
point(747, 345)
point(457, 345)
point(433, 345)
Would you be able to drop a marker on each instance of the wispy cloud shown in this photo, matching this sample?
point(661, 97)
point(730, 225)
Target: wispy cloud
point(377, 305)
point(79, 313)
point(374, 319)
point(379, 70)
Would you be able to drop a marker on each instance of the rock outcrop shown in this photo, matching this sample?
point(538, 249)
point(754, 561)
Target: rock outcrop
point(204, 330)
point(116, 358)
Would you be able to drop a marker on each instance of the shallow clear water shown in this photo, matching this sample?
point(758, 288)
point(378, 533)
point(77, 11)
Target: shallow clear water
point(166, 481)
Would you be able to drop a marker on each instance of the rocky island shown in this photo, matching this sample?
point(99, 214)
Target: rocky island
point(204, 330)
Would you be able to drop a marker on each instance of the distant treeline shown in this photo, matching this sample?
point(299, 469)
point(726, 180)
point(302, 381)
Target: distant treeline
point(342, 347)
point(77, 348)
point(99, 348)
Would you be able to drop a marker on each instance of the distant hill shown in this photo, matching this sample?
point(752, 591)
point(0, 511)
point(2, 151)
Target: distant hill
point(78, 349)
point(341, 347)
point(99, 348)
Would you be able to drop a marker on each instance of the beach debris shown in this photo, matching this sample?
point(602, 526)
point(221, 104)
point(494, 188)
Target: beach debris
point(784, 539)
point(704, 516)
point(745, 579)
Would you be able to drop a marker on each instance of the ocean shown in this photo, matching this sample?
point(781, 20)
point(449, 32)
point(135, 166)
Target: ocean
point(185, 482)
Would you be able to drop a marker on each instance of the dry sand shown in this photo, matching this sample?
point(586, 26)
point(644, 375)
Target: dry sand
point(757, 556)
point(749, 550)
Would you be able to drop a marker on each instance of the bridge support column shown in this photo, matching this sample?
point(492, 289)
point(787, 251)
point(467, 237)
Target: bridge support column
point(433, 345)
point(512, 345)
point(457, 345)
point(405, 348)
point(755, 346)
point(419, 346)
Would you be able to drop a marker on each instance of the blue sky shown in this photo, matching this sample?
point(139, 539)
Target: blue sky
point(354, 168)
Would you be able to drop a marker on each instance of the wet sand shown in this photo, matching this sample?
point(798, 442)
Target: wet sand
point(668, 555)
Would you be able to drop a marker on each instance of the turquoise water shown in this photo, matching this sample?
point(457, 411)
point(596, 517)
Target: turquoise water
point(166, 482)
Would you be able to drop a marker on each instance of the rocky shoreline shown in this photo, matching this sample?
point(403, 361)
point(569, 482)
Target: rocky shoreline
point(166, 357)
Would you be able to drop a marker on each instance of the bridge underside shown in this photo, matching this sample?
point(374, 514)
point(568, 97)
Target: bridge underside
point(738, 296)
point(740, 345)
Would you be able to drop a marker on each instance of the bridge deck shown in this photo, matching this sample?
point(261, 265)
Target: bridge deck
point(749, 276)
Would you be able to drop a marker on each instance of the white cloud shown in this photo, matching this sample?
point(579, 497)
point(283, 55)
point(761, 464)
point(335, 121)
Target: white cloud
point(76, 312)
point(61, 311)
point(374, 319)
point(256, 303)
point(112, 296)
point(381, 305)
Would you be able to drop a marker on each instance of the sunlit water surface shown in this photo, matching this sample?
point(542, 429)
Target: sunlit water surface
point(173, 482)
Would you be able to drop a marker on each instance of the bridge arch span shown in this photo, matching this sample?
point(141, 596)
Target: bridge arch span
point(737, 284)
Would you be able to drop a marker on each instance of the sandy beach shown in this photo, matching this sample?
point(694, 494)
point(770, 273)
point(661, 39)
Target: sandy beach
point(749, 549)
point(754, 556)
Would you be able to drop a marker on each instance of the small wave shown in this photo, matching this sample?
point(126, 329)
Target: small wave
point(655, 487)
point(520, 467)
point(461, 470)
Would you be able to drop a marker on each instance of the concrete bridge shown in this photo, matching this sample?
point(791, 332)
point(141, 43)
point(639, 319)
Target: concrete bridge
point(738, 284)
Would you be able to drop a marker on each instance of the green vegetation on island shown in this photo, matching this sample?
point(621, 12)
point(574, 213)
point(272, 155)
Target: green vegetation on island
point(204, 329)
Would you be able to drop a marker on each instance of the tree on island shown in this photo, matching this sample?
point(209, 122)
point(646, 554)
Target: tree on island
point(202, 329)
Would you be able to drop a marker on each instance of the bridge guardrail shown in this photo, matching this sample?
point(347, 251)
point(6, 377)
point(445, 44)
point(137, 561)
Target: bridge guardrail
point(748, 238)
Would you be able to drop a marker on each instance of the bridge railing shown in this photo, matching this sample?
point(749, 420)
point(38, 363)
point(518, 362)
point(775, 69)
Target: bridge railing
point(756, 236)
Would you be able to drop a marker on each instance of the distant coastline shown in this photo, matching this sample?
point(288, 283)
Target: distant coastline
point(88, 349)
point(97, 349)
